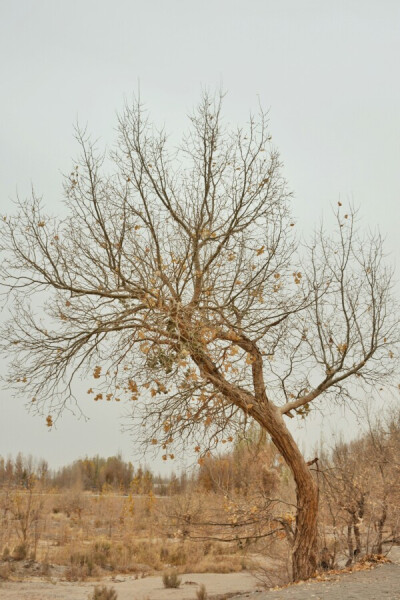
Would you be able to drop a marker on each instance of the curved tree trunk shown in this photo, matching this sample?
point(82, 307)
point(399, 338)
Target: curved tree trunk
point(268, 415)
point(304, 557)
point(304, 554)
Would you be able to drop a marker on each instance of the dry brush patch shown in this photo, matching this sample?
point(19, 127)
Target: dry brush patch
point(236, 512)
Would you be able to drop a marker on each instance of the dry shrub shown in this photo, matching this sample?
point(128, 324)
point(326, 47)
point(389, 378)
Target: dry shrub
point(75, 573)
point(147, 553)
point(45, 568)
point(177, 556)
point(274, 567)
point(72, 503)
point(218, 564)
point(5, 572)
point(103, 593)
point(201, 593)
point(20, 551)
point(171, 579)
point(82, 566)
point(101, 552)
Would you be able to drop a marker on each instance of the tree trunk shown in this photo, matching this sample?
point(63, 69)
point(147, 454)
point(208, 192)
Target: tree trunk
point(304, 558)
point(350, 545)
point(381, 522)
point(304, 554)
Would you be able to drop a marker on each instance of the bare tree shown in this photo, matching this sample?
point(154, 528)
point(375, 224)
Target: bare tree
point(359, 489)
point(176, 280)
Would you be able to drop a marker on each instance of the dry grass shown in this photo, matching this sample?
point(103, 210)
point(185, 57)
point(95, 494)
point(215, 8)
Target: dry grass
point(224, 522)
point(201, 593)
point(90, 536)
point(171, 579)
point(103, 593)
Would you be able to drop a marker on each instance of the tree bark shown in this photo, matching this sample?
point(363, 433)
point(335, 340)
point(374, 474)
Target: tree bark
point(381, 522)
point(350, 545)
point(304, 553)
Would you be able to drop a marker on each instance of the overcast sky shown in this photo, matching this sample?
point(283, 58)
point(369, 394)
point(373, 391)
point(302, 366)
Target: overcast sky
point(327, 71)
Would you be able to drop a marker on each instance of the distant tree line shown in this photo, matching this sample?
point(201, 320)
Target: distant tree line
point(90, 473)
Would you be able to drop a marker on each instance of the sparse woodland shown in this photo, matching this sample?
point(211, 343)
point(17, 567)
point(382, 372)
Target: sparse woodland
point(236, 511)
point(175, 282)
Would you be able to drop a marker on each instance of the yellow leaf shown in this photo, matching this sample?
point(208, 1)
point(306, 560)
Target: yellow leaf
point(249, 359)
point(132, 386)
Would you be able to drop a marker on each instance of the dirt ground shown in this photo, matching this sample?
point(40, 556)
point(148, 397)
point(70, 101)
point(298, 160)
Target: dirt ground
point(128, 588)
point(381, 583)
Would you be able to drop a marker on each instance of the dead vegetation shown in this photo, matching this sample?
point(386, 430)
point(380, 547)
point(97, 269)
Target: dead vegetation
point(236, 512)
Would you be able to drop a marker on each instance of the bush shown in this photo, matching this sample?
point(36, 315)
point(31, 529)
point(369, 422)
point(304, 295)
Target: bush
point(103, 593)
point(82, 566)
point(45, 568)
point(171, 580)
point(177, 557)
point(75, 573)
point(79, 559)
point(20, 552)
point(201, 593)
point(5, 572)
point(101, 552)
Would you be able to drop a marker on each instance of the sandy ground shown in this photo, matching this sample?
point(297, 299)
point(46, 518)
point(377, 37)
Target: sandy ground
point(149, 588)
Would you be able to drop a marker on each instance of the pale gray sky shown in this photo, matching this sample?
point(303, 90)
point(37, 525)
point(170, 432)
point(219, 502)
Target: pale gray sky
point(328, 72)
